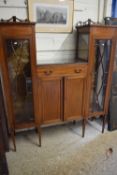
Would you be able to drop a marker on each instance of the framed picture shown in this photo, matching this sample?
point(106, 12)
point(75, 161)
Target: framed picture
point(51, 15)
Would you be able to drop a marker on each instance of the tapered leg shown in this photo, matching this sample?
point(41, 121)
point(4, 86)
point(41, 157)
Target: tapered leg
point(104, 122)
point(39, 134)
point(83, 127)
point(13, 138)
point(74, 122)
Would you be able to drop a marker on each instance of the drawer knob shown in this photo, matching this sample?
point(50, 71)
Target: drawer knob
point(78, 71)
point(48, 72)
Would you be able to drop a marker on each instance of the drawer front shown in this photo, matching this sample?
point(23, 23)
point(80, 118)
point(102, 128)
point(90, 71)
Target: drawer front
point(63, 70)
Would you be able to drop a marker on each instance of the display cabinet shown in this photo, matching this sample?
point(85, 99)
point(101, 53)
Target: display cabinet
point(50, 93)
point(96, 45)
point(18, 62)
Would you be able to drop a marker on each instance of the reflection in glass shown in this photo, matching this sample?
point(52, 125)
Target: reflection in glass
point(83, 47)
point(100, 74)
point(18, 61)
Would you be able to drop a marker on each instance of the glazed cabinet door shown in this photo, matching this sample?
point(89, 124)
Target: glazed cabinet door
point(101, 76)
point(19, 77)
point(49, 103)
point(73, 97)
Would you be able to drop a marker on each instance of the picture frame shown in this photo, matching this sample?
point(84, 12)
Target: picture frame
point(51, 15)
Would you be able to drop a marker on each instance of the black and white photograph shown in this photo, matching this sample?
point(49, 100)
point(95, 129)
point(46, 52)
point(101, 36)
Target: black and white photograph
point(46, 14)
point(52, 15)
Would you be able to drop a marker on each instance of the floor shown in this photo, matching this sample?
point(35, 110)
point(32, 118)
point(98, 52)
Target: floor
point(60, 144)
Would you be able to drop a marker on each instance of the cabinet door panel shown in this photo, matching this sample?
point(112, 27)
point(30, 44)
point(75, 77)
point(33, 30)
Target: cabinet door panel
point(73, 97)
point(50, 99)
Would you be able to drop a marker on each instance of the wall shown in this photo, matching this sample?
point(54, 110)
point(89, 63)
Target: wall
point(51, 46)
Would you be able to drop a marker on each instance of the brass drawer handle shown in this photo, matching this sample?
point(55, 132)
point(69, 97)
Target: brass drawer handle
point(48, 72)
point(78, 71)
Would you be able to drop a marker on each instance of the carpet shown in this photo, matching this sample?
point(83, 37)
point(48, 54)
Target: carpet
point(64, 152)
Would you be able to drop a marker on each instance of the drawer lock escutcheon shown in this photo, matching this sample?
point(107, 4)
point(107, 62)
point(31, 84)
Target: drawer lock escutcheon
point(78, 71)
point(48, 72)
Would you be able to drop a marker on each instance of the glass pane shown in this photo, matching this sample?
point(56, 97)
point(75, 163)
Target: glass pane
point(19, 69)
point(83, 47)
point(100, 74)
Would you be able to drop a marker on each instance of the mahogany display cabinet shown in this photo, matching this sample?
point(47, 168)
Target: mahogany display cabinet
point(55, 92)
point(18, 62)
point(96, 45)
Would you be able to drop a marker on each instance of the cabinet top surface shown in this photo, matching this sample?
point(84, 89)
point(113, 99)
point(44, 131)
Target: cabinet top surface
point(16, 23)
point(97, 25)
point(60, 63)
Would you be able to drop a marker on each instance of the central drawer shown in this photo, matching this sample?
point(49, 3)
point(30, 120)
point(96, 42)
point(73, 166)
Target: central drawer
point(62, 70)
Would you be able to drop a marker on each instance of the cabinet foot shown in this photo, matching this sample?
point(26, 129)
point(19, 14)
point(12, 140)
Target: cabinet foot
point(39, 134)
point(83, 127)
point(13, 138)
point(74, 122)
point(103, 122)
